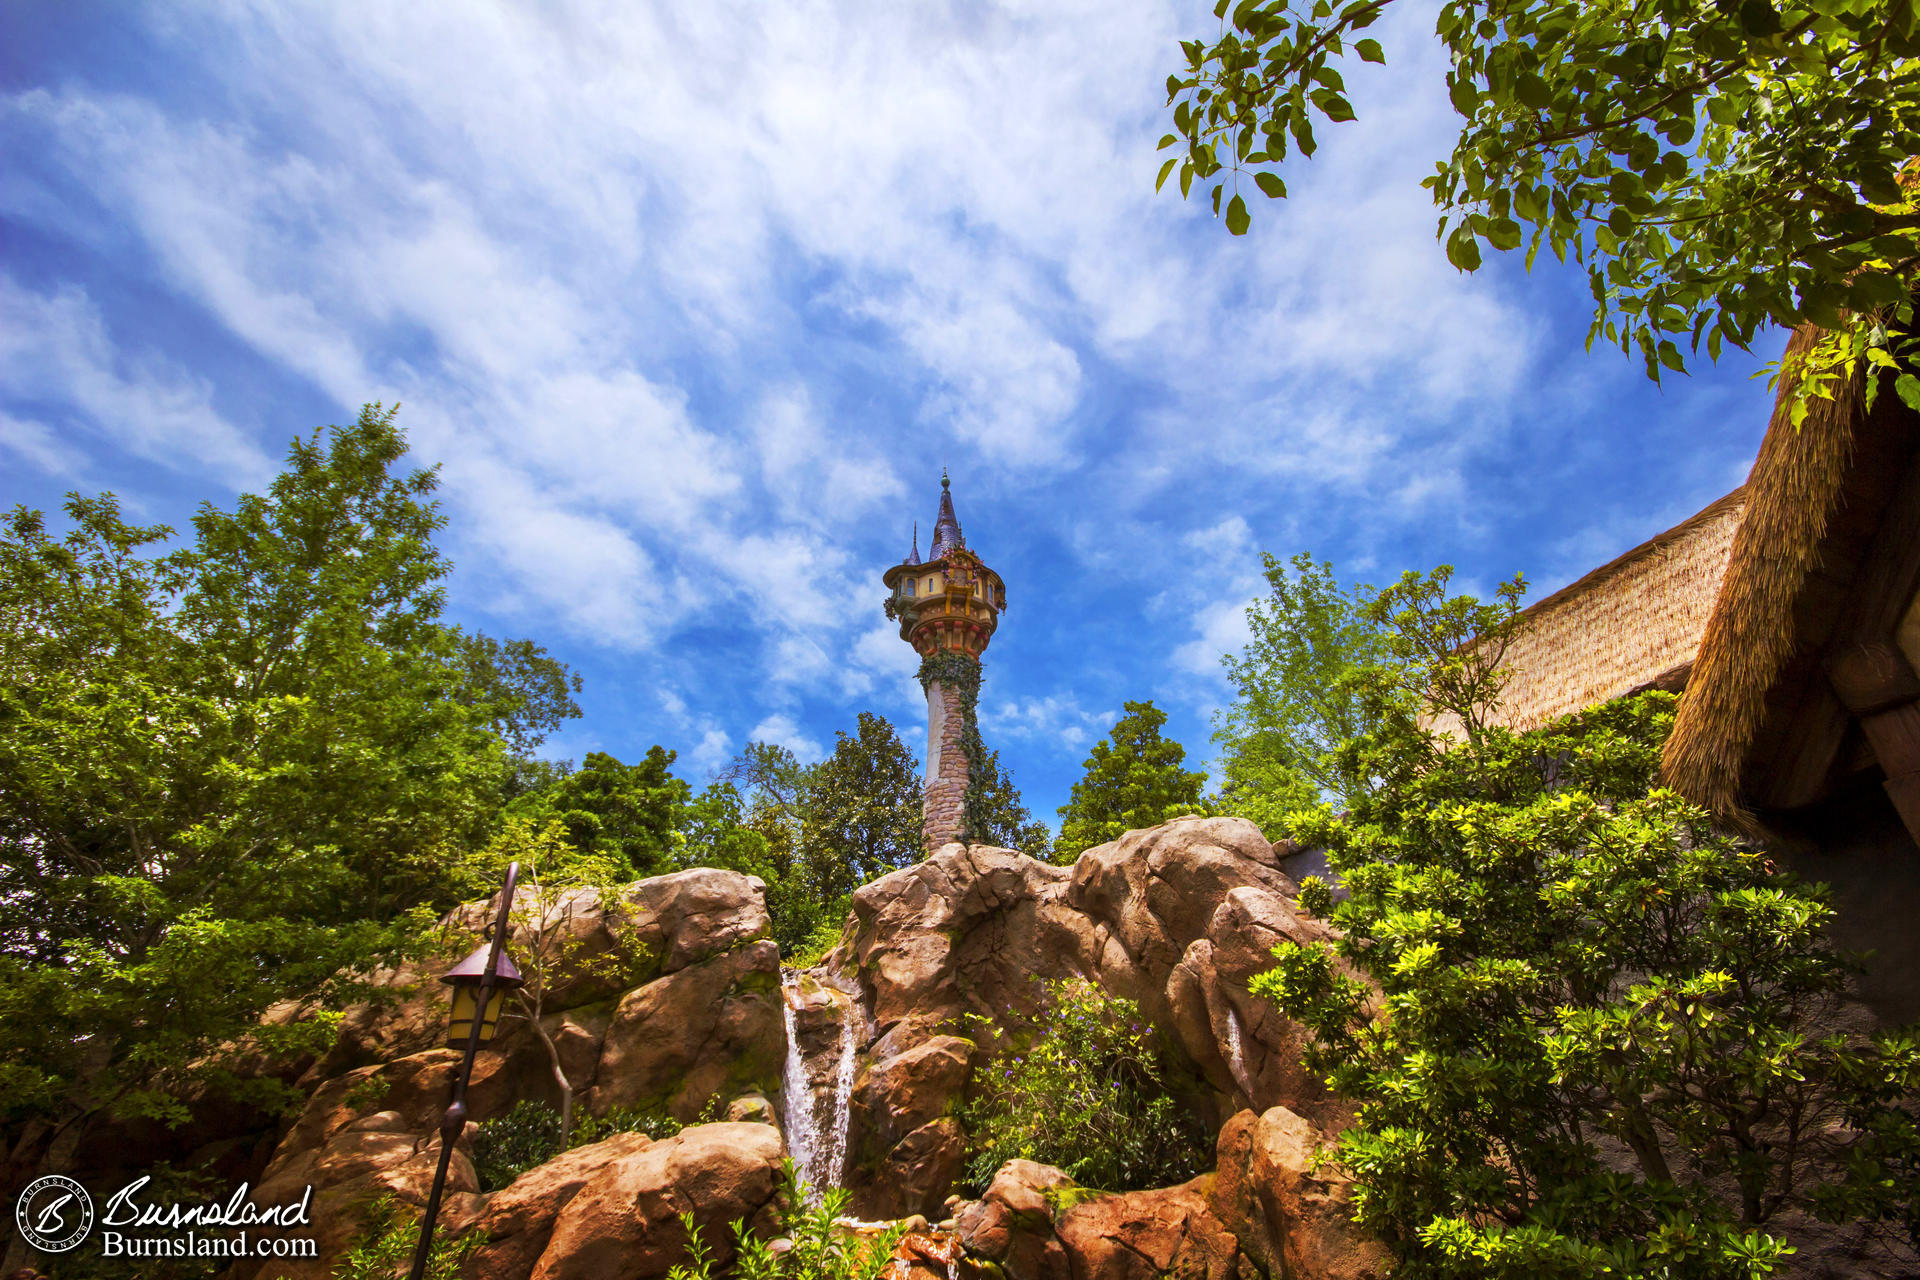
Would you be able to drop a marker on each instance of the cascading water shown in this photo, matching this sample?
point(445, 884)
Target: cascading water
point(796, 1091)
point(833, 1162)
point(1236, 1054)
point(819, 1150)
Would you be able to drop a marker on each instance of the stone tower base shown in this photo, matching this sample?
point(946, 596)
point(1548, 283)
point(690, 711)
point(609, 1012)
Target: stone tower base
point(943, 805)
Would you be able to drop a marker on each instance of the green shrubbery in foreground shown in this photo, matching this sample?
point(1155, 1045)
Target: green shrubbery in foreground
point(1590, 1036)
point(1091, 1097)
point(818, 1250)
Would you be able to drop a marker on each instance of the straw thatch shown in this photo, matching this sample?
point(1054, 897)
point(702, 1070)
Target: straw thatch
point(1633, 623)
point(1792, 493)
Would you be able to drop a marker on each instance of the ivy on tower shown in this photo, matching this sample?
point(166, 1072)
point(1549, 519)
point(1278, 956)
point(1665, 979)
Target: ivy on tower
point(948, 606)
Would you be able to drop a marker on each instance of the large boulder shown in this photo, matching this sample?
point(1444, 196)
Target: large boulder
point(1290, 1213)
point(624, 1224)
point(709, 1030)
point(603, 944)
point(951, 954)
point(1035, 1224)
point(517, 1222)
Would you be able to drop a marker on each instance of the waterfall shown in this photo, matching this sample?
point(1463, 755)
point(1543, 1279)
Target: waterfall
point(796, 1091)
point(1236, 1055)
point(833, 1161)
point(819, 1150)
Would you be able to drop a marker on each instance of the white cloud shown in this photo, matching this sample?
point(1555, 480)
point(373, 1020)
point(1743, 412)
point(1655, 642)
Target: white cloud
point(55, 349)
point(1056, 719)
point(680, 293)
point(783, 731)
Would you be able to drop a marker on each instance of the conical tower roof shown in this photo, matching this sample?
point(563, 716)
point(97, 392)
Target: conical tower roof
point(946, 527)
point(913, 556)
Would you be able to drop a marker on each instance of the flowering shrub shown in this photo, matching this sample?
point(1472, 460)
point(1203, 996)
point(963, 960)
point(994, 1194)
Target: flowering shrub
point(1091, 1097)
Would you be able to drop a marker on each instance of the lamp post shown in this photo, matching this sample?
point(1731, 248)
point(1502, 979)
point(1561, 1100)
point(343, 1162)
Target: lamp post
point(480, 984)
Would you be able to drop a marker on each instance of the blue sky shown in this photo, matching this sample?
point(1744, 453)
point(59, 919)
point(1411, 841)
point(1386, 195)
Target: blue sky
point(691, 303)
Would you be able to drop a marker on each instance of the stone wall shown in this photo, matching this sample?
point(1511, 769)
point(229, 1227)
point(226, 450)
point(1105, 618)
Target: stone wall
point(943, 804)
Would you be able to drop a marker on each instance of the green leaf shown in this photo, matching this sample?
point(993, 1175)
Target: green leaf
point(1871, 289)
point(1463, 250)
point(1503, 233)
point(1333, 105)
point(1165, 169)
point(1270, 184)
point(1167, 141)
point(1465, 96)
point(1238, 220)
point(1907, 387)
point(1369, 50)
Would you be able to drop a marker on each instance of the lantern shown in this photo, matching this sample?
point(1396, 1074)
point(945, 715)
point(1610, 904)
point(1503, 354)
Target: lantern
point(466, 979)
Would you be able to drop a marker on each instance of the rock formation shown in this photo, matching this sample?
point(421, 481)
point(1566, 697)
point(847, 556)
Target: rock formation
point(675, 1000)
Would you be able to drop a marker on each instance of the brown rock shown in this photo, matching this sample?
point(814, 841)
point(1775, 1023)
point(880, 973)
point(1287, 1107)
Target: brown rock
point(1012, 1224)
point(518, 1220)
point(910, 1089)
point(623, 1224)
point(919, 1170)
point(1144, 1235)
point(1291, 1219)
point(644, 930)
point(710, 1029)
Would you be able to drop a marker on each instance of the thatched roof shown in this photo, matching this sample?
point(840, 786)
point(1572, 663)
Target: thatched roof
point(1819, 560)
point(1634, 623)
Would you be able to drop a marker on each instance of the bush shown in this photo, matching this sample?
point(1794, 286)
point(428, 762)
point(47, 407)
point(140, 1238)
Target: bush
point(1090, 1096)
point(1316, 896)
point(529, 1135)
point(820, 1250)
point(386, 1242)
point(1591, 1040)
point(507, 1146)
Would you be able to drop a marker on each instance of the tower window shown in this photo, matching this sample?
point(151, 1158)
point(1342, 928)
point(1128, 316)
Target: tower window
point(910, 585)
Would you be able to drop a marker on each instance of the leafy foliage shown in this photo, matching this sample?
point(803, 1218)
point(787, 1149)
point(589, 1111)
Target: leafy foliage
point(861, 813)
point(1295, 698)
point(530, 1133)
point(819, 1249)
point(627, 812)
point(826, 829)
point(1570, 964)
point(1879, 1091)
point(1133, 779)
point(230, 774)
point(1005, 821)
point(1716, 167)
point(1091, 1096)
point(387, 1240)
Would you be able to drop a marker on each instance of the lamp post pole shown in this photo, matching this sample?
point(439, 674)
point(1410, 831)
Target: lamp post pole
point(454, 1122)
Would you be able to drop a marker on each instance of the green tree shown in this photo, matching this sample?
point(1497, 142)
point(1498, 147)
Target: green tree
point(1545, 964)
point(770, 785)
point(1133, 779)
point(1009, 824)
point(1296, 699)
point(229, 775)
point(860, 809)
point(1716, 167)
point(628, 812)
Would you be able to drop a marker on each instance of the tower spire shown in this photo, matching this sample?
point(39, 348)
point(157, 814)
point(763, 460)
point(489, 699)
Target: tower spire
point(913, 556)
point(946, 526)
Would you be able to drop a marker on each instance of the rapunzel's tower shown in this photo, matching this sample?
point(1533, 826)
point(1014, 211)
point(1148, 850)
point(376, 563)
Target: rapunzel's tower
point(948, 606)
